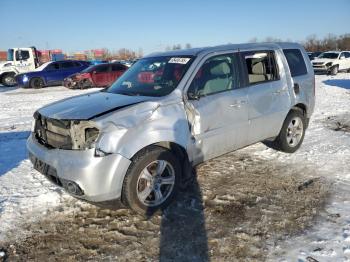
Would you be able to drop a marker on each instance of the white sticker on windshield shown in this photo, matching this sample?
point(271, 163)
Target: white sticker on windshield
point(179, 60)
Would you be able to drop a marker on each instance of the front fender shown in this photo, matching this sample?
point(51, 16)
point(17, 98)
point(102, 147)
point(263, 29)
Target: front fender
point(164, 124)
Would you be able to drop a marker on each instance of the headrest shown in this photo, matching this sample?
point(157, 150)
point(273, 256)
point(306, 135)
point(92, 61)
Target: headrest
point(219, 68)
point(258, 69)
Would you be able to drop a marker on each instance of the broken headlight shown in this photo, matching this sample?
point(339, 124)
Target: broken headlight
point(91, 135)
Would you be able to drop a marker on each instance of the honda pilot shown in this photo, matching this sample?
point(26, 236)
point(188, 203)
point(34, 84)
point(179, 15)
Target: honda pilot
point(137, 140)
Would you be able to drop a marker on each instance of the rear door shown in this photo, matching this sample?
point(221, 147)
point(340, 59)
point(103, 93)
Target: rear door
point(217, 108)
point(268, 94)
point(100, 75)
point(117, 71)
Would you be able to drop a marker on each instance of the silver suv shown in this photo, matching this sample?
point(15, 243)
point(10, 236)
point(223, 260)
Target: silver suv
point(137, 140)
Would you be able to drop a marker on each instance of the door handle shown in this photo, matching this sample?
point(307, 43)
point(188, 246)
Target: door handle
point(238, 104)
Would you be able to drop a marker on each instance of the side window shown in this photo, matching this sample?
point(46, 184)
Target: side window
point(215, 75)
point(347, 54)
point(77, 64)
point(101, 69)
point(295, 61)
point(67, 65)
point(261, 66)
point(53, 66)
point(116, 67)
point(22, 55)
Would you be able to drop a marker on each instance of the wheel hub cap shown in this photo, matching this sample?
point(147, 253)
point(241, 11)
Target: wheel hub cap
point(155, 183)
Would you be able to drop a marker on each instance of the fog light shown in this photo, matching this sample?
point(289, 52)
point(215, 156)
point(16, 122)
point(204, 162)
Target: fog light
point(72, 187)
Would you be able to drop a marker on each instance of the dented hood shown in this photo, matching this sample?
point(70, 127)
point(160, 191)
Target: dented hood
point(86, 107)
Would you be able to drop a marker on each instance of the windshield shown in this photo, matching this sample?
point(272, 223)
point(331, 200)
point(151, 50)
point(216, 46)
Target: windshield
point(10, 55)
point(329, 55)
point(155, 76)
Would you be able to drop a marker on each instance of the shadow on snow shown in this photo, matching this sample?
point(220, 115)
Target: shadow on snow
point(13, 150)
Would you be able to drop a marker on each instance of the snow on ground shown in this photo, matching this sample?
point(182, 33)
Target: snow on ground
point(25, 195)
point(23, 190)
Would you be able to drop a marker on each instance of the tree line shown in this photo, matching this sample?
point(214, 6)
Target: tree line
point(313, 44)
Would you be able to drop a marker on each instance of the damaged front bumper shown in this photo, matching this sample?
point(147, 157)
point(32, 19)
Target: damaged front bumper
point(97, 179)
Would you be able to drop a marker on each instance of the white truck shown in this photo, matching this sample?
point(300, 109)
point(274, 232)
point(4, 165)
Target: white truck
point(332, 62)
point(19, 60)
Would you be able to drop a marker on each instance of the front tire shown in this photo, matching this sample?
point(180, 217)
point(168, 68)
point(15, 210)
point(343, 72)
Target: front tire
point(36, 83)
point(292, 133)
point(152, 180)
point(9, 79)
point(334, 70)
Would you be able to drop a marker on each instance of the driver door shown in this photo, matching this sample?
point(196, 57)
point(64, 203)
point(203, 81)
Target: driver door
point(217, 109)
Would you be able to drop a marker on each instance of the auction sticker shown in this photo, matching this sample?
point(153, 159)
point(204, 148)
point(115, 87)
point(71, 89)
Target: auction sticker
point(179, 60)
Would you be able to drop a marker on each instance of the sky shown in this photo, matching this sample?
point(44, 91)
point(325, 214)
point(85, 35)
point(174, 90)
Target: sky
point(152, 25)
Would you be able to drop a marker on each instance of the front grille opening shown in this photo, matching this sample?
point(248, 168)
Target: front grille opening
point(53, 133)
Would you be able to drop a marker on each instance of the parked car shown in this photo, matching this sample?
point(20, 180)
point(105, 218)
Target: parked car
point(138, 140)
point(102, 75)
point(313, 55)
point(50, 73)
point(332, 62)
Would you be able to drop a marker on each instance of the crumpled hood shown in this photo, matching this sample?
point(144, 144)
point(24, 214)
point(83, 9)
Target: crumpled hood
point(323, 60)
point(86, 107)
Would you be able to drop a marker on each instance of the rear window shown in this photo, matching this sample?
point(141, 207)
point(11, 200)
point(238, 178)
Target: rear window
point(295, 61)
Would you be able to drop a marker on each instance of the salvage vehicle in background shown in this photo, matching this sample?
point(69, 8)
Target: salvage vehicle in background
point(138, 140)
point(332, 62)
point(50, 73)
point(102, 75)
point(19, 60)
point(313, 55)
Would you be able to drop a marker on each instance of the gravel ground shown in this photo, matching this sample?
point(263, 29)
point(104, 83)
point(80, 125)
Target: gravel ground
point(238, 204)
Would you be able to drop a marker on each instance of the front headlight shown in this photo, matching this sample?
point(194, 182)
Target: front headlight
point(91, 135)
point(329, 64)
point(25, 78)
point(8, 64)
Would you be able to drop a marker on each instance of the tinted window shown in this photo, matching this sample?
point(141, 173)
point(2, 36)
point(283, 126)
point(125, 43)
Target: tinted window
point(347, 54)
point(66, 65)
point(101, 69)
point(77, 64)
point(214, 76)
point(295, 61)
point(53, 66)
point(261, 66)
point(117, 67)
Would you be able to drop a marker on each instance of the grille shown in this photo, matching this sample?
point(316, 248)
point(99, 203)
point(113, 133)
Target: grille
point(52, 133)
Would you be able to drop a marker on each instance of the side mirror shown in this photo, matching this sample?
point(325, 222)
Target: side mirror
point(193, 96)
point(94, 72)
point(342, 57)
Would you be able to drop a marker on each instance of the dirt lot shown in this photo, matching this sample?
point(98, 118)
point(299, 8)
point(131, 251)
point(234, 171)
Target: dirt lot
point(239, 204)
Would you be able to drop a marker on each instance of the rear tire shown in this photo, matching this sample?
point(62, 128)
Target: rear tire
point(152, 180)
point(292, 133)
point(8, 79)
point(36, 83)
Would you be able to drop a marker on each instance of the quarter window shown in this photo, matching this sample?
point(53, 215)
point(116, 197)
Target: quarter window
point(261, 66)
point(215, 75)
point(53, 66)
point(295, 61)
